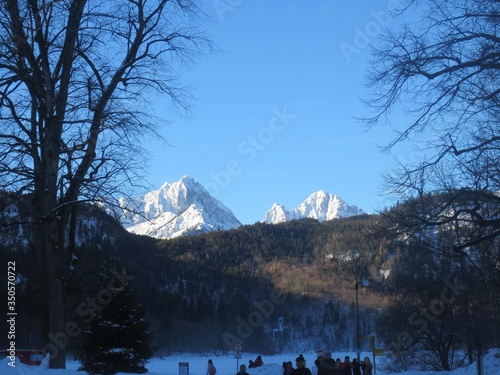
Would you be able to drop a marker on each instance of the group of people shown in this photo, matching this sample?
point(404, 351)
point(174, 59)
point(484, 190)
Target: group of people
point(323, 365)
point(326, 365)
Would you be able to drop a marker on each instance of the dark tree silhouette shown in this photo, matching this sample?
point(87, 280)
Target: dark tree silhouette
point(118, 337)
point(74, 75)
point(440, 67)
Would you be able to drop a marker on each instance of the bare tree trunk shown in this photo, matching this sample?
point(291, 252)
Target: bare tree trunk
point(53, 240)
point(57, 333)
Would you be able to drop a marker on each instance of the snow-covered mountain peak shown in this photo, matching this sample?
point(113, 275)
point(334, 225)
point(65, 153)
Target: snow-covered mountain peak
point(186, 207)
point(176, 209)
point(320, 205)
point(277, 214)
point(184, 184)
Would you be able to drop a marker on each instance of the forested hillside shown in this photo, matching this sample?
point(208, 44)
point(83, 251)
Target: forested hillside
point(272, 287)
point(311, 264)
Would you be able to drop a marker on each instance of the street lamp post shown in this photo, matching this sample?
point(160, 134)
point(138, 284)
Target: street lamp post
point(356, 287)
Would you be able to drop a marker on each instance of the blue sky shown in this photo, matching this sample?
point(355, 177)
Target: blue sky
point(274, 115)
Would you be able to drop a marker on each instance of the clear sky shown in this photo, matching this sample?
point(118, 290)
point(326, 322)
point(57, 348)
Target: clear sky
point(273, 120)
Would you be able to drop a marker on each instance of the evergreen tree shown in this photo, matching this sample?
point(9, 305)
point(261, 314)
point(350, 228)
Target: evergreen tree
point(117, 339)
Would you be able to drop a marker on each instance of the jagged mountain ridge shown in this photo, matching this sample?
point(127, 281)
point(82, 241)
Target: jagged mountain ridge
point(319, 205)
point(186, 207)
point(176, 209)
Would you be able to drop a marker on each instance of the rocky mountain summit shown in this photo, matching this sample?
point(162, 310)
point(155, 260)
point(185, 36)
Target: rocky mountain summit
point(176, 209)
point(319, 205)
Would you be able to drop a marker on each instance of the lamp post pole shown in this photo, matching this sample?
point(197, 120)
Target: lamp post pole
point(356, 287)
point(358, 339)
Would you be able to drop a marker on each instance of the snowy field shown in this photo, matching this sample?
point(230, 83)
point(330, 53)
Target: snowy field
point(227, 365)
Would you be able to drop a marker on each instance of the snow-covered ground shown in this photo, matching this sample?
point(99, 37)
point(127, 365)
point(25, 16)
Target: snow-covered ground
point(227, 365)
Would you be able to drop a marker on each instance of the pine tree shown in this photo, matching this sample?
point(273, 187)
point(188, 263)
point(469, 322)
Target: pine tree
point(117, 338)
